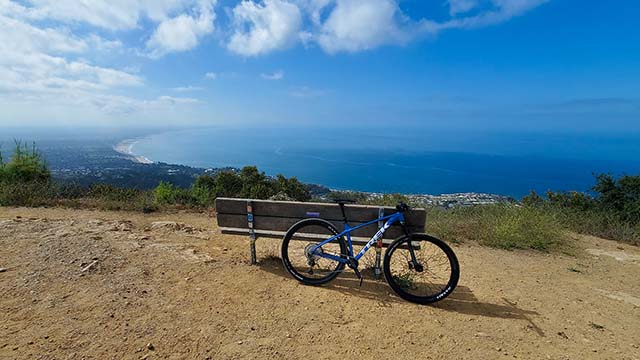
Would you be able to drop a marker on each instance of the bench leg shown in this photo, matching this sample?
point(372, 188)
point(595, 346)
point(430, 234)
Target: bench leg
point(378, 268)
point(252, 245)
point(252, 232)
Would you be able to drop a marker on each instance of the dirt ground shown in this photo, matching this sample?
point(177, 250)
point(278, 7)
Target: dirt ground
point(117, 285)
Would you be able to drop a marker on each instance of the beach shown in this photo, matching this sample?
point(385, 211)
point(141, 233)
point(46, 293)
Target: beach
point(125, 147)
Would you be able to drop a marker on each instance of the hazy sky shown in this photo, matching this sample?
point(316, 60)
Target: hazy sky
point(474, 64)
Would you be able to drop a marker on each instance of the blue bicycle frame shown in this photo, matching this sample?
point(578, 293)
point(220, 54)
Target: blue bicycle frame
point(390, 220)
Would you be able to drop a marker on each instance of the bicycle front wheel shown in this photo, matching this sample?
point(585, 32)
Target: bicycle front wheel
point(430, 278)
point(299, 257)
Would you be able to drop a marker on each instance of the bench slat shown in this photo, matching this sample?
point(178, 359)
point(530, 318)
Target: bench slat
point(360, 241)
point(298, 210)
point(283, 224)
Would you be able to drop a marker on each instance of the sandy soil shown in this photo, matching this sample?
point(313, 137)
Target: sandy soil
point(116, 285)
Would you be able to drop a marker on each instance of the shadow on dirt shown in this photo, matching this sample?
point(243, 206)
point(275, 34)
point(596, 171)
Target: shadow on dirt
point(462, 300)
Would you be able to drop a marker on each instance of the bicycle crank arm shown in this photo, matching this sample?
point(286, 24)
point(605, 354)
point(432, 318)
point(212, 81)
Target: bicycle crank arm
point(353, 264)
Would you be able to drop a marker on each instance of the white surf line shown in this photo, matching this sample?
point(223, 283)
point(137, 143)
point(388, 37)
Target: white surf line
point(125, 147)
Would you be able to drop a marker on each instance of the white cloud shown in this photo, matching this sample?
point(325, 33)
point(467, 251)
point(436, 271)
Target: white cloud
point(45, 67)
point(183, 32)
point(176, 100)
point(187, 88)
point(181, 23)
point(32, 58)
point(501, 11)
point(361, 25)
point(263, 27)
point(278, 75)
point(461, 6)
point(18, 35)
point(107, 14)
point(211, 76)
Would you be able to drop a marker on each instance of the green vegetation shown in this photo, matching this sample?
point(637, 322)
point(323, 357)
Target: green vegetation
point(613, 212)
point(25, 180)
point(249, 183)
point(538, 222)
point(505, 226)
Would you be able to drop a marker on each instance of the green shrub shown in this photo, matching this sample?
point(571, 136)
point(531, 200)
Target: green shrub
point(26, 165)
point(613, 213)
point(203, 190)
point(33, 193)
point(502, 226)
point(255, 184)
point(228, 184)
point(514, 227)
point(292, 188)
point(168, 194)
point(25, 179)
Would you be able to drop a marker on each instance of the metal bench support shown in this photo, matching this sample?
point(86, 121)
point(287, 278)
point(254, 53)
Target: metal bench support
point(378, 268)
point(252, 232)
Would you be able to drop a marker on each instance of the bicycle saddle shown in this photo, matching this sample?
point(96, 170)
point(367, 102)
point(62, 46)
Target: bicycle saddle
point(402, 207)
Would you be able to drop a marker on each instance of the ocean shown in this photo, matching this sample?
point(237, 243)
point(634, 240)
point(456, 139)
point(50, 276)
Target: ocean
point(410, 161)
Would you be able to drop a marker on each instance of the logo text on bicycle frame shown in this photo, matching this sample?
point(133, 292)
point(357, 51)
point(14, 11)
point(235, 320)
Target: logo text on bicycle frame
point(375, 238)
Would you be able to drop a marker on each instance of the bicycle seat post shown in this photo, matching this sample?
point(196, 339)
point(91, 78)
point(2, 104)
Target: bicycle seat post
point(344, 215)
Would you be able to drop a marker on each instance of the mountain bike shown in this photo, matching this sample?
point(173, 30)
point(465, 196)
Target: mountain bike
point(418, 267)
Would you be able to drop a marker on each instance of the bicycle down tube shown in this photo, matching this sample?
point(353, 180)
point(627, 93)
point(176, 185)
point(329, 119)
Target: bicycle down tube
point(391, 219)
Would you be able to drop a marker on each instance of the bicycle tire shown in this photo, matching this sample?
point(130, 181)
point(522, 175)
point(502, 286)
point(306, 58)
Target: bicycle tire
point(287, 250)
point(403, 286)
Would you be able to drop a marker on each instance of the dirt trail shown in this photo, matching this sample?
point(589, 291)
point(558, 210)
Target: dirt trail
point(116, 285)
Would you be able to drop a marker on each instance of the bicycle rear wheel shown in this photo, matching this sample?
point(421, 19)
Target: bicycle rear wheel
point(297, 252)
point(434, 276)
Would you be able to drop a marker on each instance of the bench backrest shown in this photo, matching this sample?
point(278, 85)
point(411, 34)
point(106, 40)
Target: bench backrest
point(274, 218)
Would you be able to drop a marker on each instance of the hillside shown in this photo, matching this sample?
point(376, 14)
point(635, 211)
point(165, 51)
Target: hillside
point(97, 285)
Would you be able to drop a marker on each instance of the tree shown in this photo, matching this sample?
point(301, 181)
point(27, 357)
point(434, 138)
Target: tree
point(621, 196)
point(255, 184)
point(204, 190)
point(228, 184)
point(532, 199)
point(292, 188)
point(26, 166)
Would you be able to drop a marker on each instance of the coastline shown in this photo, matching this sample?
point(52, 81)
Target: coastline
point(125, 147)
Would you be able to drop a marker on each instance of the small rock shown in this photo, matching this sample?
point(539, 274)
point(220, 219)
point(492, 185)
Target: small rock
point(239, 342)
point(150, 346)
point(3, 270)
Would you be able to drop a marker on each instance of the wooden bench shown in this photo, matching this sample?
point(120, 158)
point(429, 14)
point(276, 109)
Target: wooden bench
point(266, 218)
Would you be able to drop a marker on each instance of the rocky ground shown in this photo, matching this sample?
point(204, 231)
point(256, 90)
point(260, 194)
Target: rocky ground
point(115, 285)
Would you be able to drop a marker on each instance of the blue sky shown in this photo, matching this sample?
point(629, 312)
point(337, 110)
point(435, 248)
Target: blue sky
point(509, 65)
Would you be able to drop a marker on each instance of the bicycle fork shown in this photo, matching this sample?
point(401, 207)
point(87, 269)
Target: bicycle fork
point(413, 263)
